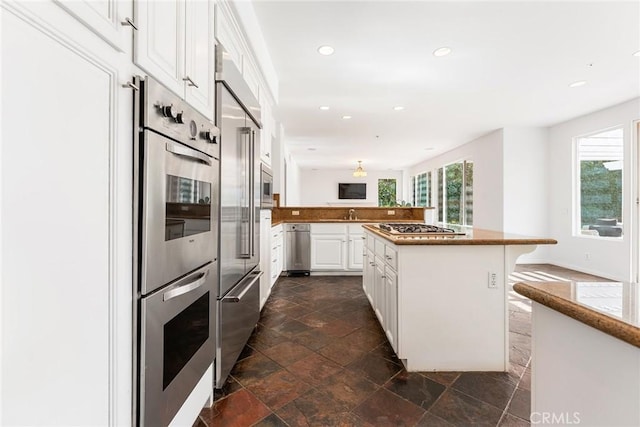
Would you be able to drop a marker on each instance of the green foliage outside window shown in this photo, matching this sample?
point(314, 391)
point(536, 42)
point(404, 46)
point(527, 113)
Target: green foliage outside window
point(600, 192)
point(386, 192)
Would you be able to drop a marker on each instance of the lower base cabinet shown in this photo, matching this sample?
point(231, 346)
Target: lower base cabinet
point(380, 284)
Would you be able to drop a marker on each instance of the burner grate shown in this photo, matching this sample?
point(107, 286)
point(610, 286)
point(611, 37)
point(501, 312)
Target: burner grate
point(416, 228)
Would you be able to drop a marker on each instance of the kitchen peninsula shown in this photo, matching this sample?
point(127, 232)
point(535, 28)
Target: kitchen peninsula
point(586, 352)
point(442, 299)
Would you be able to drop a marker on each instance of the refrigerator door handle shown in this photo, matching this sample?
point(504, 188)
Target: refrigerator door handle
point(238, 298)
point(245, 220)
point(252, 202)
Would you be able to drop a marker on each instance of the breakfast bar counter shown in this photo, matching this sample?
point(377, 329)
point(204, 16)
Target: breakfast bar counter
point(585, 352)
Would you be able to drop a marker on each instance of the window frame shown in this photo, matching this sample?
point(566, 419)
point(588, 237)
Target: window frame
point(576, 222)
point(441, 205)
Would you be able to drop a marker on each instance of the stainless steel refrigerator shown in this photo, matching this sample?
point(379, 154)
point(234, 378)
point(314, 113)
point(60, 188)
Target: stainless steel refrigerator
point(238, 117)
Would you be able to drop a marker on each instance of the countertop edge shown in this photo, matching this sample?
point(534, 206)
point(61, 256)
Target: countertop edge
point(604, 323)
point(461, 240)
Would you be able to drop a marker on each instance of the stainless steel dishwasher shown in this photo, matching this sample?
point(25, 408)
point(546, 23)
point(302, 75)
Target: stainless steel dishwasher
point(298, 248)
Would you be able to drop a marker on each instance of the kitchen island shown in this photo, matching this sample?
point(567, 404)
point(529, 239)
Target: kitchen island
point(586, 353)
point(442, 299)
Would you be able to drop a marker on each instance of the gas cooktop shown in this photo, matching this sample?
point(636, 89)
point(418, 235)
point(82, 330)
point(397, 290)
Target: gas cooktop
point(415, 228)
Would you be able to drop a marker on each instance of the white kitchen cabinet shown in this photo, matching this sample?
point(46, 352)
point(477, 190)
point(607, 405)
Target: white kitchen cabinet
point(337, 247)
point(380, 282)
point(174, 44)
point(380, 294)
point(267, 131)
point(277, 252)
point(265, 256)
point(111, 20)
point(328, 252)
point(356, 252)
point(66, 280)
point(367, 276)
point(391, 309)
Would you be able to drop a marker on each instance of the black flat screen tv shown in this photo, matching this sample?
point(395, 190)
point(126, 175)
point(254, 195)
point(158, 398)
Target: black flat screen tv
point(352, 191)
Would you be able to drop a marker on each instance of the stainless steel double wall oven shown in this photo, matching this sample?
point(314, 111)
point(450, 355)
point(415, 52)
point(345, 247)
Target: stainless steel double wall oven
point(176, 184)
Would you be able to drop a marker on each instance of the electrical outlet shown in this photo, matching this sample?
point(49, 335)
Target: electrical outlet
point(493, 280)
point(391, 212)
point(587, 256)
point(295, 213)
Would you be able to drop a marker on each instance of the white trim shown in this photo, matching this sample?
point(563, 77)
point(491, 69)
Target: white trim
point(635, 208)
point(575, 188)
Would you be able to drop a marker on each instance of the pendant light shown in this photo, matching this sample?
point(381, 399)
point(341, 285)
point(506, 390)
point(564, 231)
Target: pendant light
point(359, 172)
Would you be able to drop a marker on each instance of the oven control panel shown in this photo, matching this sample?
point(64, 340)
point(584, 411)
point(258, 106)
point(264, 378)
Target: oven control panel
point(166, 113)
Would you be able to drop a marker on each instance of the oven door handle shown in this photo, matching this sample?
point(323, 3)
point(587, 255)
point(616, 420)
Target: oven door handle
point(238, 298)
point(187, 152)
point(188, 287)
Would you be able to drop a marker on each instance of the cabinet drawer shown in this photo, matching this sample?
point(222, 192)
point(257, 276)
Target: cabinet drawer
point(391, 257)
point(328, 228)
point(355, 229)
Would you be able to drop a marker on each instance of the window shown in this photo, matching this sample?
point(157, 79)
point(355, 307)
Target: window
point(387, 192)
point(421, 189)
point(599, 183)
point(455, 193)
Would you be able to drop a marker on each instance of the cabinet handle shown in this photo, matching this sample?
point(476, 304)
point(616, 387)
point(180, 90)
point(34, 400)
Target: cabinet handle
point(383, 277)
point(190, 82)
point(129, 22)
point(387, 257)
point(130, 85)
point(372, 263)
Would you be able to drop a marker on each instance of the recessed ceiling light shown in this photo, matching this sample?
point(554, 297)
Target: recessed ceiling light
point(398, 108)
point(311, 149)
point(428, 149)
point(346, 117)
point(324, 107)
point(442, 51)
point(325, 50)
point(636, 53)
point(578, 83)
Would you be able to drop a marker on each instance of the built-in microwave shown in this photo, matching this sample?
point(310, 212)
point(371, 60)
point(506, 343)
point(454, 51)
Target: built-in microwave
point(266, 187)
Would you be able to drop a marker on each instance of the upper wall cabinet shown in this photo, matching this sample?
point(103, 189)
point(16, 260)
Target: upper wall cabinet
point(174, 44)
point(111, 20)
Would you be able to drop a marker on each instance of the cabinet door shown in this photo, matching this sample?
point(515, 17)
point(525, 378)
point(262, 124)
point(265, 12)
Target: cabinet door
point(159, 42)
point(380, 292)
point(199, 57)
point(265, 256)
point(265, 142)
point(67, 277)
point(104, 18)
point(356, 252)
point(368, 276)
point(391, 325)
point(328, 251)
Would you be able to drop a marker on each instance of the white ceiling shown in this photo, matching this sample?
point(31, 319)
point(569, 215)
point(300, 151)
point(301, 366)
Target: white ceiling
point(511, 65)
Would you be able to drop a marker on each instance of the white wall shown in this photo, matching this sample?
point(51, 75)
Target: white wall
point(607, 257)
point(294, 185)
point(320, 187)
point(487, 154)
point(525, 197)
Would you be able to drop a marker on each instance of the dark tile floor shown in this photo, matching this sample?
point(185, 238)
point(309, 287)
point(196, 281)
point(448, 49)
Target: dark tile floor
point(318, 357)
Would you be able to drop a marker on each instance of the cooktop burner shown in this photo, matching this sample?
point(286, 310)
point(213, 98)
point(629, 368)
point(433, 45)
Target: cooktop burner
point(413, 228)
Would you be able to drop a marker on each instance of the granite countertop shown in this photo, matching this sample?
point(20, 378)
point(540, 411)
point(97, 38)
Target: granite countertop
point(472, 236)
point(345, 221)
point(611, 307)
